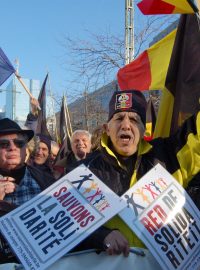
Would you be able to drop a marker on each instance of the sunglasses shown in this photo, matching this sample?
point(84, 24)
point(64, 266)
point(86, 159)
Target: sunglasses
point(5, 144)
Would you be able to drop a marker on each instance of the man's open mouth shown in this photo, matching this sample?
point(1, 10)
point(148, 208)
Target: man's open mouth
point(125, 137)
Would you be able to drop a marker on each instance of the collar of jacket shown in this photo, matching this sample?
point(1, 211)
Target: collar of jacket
point(143, 148)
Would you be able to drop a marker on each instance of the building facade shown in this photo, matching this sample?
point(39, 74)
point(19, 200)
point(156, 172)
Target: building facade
point(17, 99)
point(91, 110)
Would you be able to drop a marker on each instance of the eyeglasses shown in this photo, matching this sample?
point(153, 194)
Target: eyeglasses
point(5, 144)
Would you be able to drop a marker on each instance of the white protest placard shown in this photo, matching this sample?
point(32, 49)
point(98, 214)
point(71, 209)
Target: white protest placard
point(49, 225)
point(165, 218)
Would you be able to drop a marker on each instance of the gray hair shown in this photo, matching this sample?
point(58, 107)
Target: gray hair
point(54, 144)
point(81, 131)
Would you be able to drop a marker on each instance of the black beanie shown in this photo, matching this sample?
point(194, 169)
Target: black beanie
point(129, 101)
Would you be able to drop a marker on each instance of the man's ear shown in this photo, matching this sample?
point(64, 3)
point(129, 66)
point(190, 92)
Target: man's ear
point(106, 128)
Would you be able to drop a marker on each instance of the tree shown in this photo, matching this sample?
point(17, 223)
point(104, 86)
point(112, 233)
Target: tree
point(97, 59)
point(94, 61)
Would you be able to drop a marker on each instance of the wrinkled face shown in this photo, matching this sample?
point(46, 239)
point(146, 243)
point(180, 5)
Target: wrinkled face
point(125, 130)
point(81, 145)
point(41, 153)
point(12, 151)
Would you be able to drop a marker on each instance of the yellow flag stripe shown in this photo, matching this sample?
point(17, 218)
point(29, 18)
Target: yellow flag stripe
point(159, 56)
point(181, 6)
point(163, 122)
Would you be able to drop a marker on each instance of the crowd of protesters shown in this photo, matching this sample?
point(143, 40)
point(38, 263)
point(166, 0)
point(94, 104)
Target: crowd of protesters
point(117, 153)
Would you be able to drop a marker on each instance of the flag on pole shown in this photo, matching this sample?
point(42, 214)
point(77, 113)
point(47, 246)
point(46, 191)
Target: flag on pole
point(148, 71)
point(6, 68)
point(65, 133)
point(64, 121)
point(181, 94)
point(152, 7)
point(41, 122)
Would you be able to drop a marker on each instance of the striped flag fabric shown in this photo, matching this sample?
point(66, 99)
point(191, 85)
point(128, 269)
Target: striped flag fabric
point(150, 120)
point(148, 71)
point(6, 68)
point(181, 94)
point(152, 7)
point(175, 70)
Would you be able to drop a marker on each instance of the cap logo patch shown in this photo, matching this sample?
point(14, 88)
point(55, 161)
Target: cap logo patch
point(123, 101)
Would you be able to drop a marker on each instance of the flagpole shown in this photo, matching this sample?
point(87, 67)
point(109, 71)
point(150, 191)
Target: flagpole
point(53, 105)
point(68, 116)
point(25, 87)
point(129, 31)
point(22, 83)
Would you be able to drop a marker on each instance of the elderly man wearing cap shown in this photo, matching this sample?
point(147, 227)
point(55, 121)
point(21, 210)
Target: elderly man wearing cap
point(13, 142)
point(46, 149)
point(19, 182)
point(125, 157)
point(41, 155)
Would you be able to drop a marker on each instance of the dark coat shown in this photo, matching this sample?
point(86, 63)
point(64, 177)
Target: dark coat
point(193, 190)
point(44, 180)
point(176, 154)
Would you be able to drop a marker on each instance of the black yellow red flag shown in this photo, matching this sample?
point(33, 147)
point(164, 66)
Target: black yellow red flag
point(182, 87)
point(153, 7)
point(148, 71)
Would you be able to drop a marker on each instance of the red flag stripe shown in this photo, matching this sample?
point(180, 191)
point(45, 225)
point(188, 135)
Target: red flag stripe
point(136, 75)
point(155, 7)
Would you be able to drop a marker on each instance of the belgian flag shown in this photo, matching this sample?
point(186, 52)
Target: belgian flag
point(173, 66)
point(182, 87)
point(148, 71)
point(152, 7)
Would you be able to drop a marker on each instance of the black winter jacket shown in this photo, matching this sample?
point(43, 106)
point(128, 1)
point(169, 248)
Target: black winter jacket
point(179, 154)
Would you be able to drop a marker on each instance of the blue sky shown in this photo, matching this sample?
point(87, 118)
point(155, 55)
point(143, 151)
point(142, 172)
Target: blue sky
point(31, 30)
